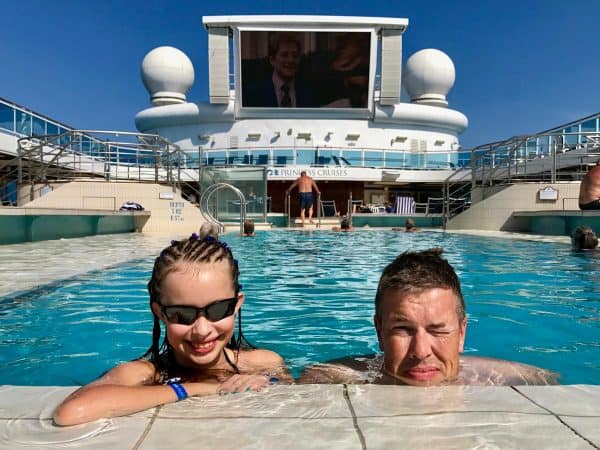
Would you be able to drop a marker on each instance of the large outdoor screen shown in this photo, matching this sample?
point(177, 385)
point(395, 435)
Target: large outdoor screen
point(281, 69)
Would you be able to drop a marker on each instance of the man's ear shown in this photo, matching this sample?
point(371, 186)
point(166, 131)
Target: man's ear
point(463, 333)
point(377, 323)
point(240, 302)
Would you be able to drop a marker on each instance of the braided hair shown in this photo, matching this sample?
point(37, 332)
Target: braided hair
point(192, 250)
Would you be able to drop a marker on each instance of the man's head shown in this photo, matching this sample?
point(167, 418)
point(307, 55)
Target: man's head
point(345, 224)
point(284, 54)
point(249, 227)
point(303, 173)
point(420, 318)
point(584, 238)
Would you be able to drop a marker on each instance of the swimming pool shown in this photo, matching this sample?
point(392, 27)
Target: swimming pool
point(310, 296)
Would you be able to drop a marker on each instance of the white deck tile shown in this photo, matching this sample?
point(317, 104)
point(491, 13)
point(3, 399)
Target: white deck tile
point(469, 430)
point(377, 400)
point(252, 434)
point(572, 400)
point(588, 427)
point(38, 402)
point(299, 401)
point(119, 433)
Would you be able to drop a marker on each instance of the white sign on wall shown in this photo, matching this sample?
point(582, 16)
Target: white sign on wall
point(548, 193)
point(325, 173)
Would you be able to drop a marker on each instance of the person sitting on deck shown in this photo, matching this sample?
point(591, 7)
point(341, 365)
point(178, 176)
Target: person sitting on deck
point(421, 323)
point(589, 191)
point(195, 293)
point(584, 238)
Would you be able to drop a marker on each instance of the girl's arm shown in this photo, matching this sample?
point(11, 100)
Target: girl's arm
point(259, 368)
point(126, 389)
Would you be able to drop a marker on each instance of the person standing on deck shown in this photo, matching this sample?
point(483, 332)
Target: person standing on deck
point(305, 197)
point(589, 192)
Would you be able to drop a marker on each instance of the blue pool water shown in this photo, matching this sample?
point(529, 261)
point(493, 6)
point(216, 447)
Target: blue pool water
point(310, 298)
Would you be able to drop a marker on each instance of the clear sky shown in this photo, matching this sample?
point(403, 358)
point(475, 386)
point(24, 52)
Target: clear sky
point(522, 66)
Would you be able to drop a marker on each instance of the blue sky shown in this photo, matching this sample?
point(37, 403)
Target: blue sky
point(521, 66)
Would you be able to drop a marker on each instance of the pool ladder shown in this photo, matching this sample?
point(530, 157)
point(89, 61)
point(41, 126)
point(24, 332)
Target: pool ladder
point(205, 209)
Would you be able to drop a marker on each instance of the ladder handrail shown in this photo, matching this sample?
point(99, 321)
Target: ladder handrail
point(204, 206)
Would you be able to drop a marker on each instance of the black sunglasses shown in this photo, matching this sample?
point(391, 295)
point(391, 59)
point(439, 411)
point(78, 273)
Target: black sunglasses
point(187, 315)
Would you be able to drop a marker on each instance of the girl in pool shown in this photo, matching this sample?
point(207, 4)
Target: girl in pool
point(194, 292)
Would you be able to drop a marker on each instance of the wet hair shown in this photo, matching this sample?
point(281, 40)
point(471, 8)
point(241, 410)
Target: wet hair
point(415, 272)
point(303, 173)
point(248, 226)
point(584, 238)
point(208, 229)
point(345, 224)
point(189, 251)
point(277, 38)
point(409, 224)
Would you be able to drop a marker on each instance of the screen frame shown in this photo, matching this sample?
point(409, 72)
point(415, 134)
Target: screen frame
point(271, 112)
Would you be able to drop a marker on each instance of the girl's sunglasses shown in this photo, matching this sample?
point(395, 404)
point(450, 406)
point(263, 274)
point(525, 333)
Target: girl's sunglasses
point(187, 315)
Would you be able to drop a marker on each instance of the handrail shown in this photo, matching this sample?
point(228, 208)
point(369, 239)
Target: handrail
point(319, 210)
point(541, 157)
point(205, 210)
point(288, 209)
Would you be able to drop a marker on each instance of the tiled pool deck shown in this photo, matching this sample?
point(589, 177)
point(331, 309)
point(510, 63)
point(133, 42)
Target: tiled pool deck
point(287, 417)
point(323, 416)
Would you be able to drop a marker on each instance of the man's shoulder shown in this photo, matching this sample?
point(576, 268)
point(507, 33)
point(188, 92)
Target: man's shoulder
point(477, 370)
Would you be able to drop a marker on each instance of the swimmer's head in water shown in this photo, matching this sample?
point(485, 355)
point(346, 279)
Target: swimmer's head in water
point(420, 319)
point(584, 238)
point(192, 254)
point(418, 271)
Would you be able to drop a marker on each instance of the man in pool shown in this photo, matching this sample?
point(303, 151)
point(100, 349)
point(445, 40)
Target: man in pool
point(421, 324)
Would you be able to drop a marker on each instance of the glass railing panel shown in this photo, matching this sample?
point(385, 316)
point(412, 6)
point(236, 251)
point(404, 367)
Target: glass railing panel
point(306, 157)
point(23, 123)
point(283, 157)
point(38, 126)
point(352, 157)
point(374, 159)
point(590, 126)
point(7, 117)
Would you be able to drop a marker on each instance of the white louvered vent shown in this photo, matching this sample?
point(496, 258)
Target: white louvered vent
point(218, 65)
point(233, 142)
point(391, 66)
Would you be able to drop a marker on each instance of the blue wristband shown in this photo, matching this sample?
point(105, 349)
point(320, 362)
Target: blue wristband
point(179, 390)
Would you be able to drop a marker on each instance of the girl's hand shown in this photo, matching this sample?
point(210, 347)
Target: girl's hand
point(243, 383)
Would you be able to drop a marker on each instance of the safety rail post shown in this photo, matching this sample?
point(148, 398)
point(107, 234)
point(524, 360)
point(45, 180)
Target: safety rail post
point(288, 209)
point(350, 207)
point(319, 210)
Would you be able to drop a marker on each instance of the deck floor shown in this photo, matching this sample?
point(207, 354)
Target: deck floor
point(323, 416)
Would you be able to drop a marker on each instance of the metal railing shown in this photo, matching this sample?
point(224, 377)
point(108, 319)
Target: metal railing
point(288, 208)
point(205, 209)
point(549, 157)
point(93, 154)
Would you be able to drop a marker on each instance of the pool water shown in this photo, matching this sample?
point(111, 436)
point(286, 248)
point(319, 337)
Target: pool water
point(309, 297)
